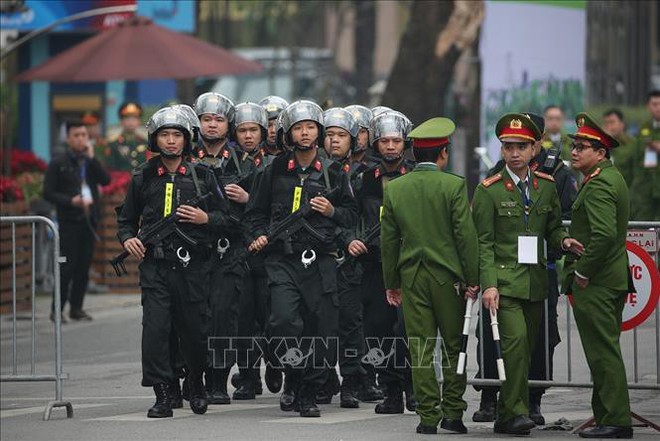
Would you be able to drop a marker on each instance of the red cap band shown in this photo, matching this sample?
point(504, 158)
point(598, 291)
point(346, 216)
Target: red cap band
point(593, 134)
point(522, 132)
point(428, 143)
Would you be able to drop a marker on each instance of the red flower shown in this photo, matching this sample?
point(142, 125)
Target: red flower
point(119, 181)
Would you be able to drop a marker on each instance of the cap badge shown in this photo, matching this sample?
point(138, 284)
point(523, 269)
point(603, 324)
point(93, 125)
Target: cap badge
point(580, 122)
point(515, 124)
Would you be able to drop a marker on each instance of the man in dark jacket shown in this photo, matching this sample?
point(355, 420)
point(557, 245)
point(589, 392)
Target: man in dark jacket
point(71, 183)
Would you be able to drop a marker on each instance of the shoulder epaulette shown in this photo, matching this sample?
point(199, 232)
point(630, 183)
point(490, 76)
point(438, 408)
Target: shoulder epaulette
point(490, 181)
point(545, 176)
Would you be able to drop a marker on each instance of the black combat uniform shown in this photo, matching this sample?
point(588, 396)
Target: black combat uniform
point(175, 293)
point(304, 300)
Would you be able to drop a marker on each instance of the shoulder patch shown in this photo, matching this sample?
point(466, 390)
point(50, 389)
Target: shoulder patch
point(490, 181)
point(545, 176)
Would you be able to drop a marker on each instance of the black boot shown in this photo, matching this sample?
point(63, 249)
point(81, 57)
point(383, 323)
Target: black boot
point(307, 404)
point(198, 401)
point(393, 402)
point(236, 380)
point(535, 409)
point(161, 408)
point(348, 395)
point(369, 391)
point(273, 379)
point(486, 412)
point(217, 393)
point(329, 389)
point(176, 400)
point(288, 399)
point(246, 391)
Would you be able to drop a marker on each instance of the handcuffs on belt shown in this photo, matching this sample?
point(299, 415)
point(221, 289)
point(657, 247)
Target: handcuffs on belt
point(307, 257)
point(183, 258)
point(223, 246)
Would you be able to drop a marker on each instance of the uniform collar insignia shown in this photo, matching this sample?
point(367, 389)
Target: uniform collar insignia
point(509, 185)
point(347, 167)
point(225, 153)
point(377, 172)
point(161, 170)
point(317, 165)
point(403, 170)
point(535, 184)
point(200, 153)
point(182, 169)
point(291, 165)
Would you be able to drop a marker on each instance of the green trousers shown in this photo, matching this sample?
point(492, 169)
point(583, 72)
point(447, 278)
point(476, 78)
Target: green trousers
point(429, 306)
point(518, 323)
point(597, 312)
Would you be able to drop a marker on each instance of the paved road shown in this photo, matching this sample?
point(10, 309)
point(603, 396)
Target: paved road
point(102, 359)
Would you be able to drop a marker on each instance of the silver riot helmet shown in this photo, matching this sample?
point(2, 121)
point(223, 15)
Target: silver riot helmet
point(192, 117)
point(302, 110)
point(251, 113)
point(215, 104)
point(342, 118)
point(390, 124)
point(280, 141)
point(375, 111)
point(363, 116)
point(274, 105)
point(169, 118)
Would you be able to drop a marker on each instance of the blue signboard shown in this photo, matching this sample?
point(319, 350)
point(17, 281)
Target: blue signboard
point(178, 15)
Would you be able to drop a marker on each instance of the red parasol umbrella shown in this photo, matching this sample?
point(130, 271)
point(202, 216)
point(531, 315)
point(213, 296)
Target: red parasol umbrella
point(136, 50)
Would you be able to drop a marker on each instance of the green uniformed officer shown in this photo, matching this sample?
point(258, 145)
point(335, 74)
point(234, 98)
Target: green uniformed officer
point(128, 148)
point(645, 190)
point(598, 279)
point(514, 211)
point(428, 247)
point(624, 156)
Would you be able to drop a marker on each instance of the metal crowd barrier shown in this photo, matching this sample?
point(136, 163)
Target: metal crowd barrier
point(58, 376)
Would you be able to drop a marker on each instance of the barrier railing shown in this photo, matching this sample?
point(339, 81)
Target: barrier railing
point(58, 376)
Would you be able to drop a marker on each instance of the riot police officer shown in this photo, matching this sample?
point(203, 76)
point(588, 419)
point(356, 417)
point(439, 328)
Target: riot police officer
point(174, 273)
point(362, 153)
point(388, 137)
point(250, 131)
point(216, 118)
point(300, 265)
point(274, 105)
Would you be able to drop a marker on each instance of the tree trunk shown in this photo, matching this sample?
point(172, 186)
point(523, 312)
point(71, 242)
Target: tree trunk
point(436, 35)
point(365, 44)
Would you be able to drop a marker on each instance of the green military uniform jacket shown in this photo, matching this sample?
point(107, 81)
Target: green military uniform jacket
point(426, 220)
point(499, 215)
point(645, 190)
point(125, 152)
point(623, 157)
point(599, 222)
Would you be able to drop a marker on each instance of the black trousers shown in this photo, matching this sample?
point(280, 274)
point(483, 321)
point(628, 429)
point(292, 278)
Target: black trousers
point(226, 292)
point(537, 370)
point(384, 330)
point(77, 245)
point(351, 336)
point(176, 298)
point(303, 318)
point(253, 317)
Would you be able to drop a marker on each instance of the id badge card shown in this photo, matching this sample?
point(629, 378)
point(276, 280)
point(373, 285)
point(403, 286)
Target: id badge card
point(650, 159)
point(86, 193)
point(528, 250)
point(297, 196)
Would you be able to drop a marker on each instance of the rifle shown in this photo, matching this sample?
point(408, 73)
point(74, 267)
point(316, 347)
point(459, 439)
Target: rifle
point(157, 232)
point(368, 237)
point(298, 220)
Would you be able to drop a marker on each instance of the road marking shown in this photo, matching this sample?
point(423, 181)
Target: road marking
point(185, 412)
